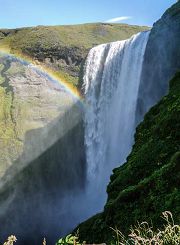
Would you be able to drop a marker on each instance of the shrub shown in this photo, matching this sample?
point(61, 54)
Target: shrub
point(144, 234)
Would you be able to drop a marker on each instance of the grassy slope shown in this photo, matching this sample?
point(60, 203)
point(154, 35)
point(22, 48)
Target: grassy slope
point(148, 182)
point(85, 35)
point(74, 40)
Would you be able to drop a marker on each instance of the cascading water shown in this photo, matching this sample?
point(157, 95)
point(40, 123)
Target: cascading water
point(111, 83)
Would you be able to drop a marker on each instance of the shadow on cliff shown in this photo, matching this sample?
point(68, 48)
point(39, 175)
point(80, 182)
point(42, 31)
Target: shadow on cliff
point(37, 193)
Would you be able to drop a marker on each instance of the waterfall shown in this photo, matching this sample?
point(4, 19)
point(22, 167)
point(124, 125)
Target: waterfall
point(111, 83)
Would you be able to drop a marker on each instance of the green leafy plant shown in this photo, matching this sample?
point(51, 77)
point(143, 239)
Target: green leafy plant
point(69, 239)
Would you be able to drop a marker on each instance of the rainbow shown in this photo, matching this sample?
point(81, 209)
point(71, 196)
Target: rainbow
point(52, 74)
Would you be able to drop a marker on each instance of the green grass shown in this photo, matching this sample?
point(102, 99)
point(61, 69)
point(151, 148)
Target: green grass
point(83, 36)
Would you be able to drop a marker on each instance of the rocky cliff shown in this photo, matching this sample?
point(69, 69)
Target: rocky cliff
point(42, 160)
point(162, 59)
point(29, 99)
point(37, 192)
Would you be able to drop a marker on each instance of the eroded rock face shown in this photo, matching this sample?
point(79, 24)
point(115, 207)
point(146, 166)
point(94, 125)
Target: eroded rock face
point(42, 157)
point(64, 58)
point(29, 100)
point(162, 59)
point(40, 198)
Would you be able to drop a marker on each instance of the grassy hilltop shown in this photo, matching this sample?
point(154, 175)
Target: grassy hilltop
point(64, 48)
point(83, 36)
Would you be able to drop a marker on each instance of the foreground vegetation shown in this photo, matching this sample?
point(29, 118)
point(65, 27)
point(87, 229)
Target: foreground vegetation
point(142, 234)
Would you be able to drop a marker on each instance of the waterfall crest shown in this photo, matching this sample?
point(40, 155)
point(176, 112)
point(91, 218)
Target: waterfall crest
point(111, 83)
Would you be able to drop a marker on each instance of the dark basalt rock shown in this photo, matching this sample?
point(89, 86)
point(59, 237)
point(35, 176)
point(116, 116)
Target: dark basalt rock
point(64, 58)
point(161, 60)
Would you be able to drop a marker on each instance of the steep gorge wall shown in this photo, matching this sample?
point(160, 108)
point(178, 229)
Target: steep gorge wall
point(161, 60)
point(37, 192)
point(29, 99)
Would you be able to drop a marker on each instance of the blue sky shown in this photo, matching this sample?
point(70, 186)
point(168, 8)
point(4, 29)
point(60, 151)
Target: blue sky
point(20, 13)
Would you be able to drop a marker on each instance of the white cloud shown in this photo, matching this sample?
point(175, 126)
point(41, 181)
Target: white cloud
point(117, 19)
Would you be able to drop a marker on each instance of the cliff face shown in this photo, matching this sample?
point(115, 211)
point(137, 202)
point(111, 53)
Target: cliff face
point(162, 59)
point(147, 184)
point(42, 158)
point(37, 193)
point(64, 48)
point(29, 99)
